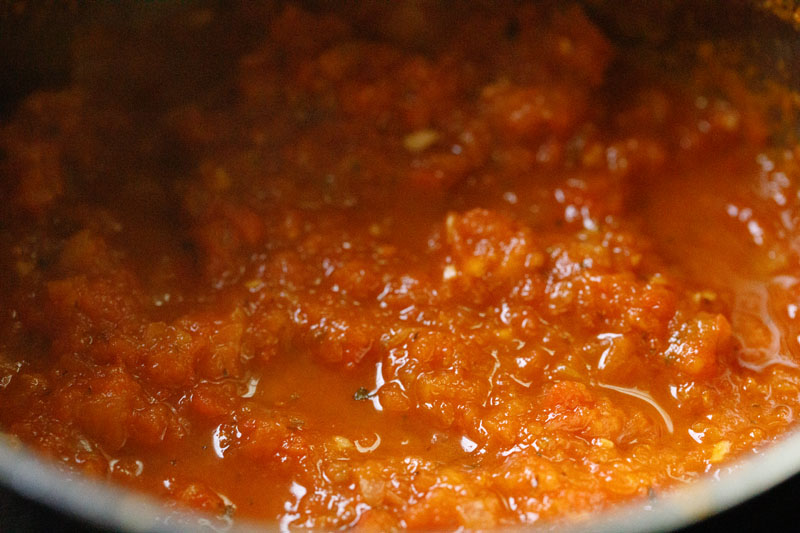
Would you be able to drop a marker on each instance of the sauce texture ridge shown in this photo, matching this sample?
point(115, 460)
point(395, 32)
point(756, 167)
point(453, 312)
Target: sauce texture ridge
point(397, 268)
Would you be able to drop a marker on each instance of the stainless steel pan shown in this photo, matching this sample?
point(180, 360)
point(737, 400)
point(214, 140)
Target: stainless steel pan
point(766, 35)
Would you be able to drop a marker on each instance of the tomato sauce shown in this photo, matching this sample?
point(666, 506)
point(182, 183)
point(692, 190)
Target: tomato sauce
point(419, 275)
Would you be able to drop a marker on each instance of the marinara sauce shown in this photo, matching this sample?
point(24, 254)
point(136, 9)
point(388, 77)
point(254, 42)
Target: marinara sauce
point(398, 269)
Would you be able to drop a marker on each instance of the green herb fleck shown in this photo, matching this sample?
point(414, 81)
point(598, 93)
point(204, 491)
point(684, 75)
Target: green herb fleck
point(362, 394)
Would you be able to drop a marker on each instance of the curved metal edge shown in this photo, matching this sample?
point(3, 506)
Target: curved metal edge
point(97, 501)
point(112, 506)
point(732, 484)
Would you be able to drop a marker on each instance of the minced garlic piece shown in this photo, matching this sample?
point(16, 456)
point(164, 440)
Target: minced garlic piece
point(254, 284)
point(604, 443)
point(420, 140)
point(342, 443)
point(720, 450)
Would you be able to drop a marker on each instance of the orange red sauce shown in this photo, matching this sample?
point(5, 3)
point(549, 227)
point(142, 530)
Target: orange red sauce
point(500, 278)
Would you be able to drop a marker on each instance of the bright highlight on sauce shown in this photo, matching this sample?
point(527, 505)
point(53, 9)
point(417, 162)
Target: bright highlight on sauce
point(397, 269)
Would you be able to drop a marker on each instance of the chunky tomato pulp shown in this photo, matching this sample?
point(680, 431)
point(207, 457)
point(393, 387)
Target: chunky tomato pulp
point(502, 277)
